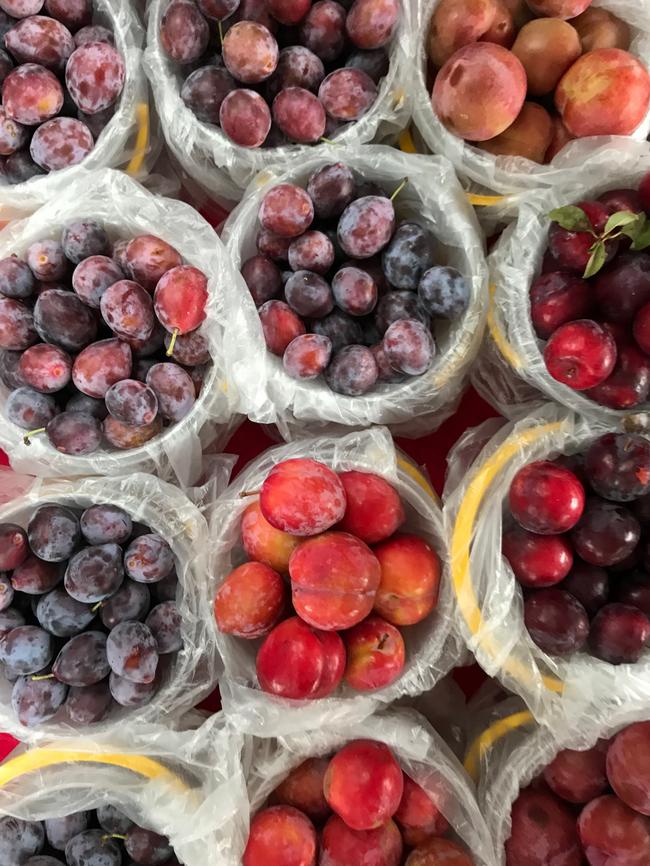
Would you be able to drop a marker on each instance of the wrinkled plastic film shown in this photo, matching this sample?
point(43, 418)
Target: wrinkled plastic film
point(188, 786)
point(225, 169)
point(434, 198)
point(432, 646)
point(516, 174)
point(192, 674)
point(559, 691)
point(511, 372)
point(126, 209)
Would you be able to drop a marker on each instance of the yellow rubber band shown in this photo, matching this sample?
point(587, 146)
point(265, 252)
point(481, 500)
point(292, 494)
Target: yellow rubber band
point(142, 139)
point(485, 200)
point(40, 759)
point(461, 539)
point(490, 736)
point(417, 476)
point(504, 347)
point(406, 142)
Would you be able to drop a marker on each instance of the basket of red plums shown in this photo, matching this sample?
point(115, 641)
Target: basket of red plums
point(237, 76)
point(357, 801)
point(104, 348)
point(576, 540)
point(585, 805)
point(503, 87)
point(105, 837)
point(581, 333)
point(64, 65)
point(329, 580)
point(98, 609)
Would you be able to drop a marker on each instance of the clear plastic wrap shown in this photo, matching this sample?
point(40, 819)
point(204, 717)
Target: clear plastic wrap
point(516, 174)
point(519, 750)
point(432, 196)
point(223, 168)
point(186, 785)
point(193, 673)
point(421, 752)
point(432, 647)
point(126, 209)
point(560, 692)
point(510, 372)
point(126, 142)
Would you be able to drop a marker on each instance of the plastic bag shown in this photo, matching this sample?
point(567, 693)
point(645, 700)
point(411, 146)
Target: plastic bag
point(420, 751)
point(432, 647)
point(188, 785)
point(127, 209)
point(225, 169)
point(126, 141)
point(511, 373)
point(432, 196)
point(560, 692)
point(516, 174)
point(167, 511)
point(521, 750)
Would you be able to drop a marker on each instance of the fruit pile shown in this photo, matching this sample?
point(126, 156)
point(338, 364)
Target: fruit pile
point(370, 812)
point(87, 609)
point(102, 838)
point(282, 70)
point(591, 302)
point(361, 295)
point(61, 80)
point(501, 67)
point(316, 525)
point(120, 356)
point(580, 549)
point(591, 804)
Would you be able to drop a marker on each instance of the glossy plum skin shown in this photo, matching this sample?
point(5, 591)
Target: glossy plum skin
point(546, 498)
point(537, 561)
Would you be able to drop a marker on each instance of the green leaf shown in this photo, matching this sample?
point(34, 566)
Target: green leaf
point(622, 218)
point(571, 218)
point(642, 240)
point(597, 259)
point(635, 228)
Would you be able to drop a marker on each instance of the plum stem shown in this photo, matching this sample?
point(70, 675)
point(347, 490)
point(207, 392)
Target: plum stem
point(170, 350)
point(328, 141)
point(399, 189)
point(246, 493)
point(43, 677)
point(220, 32)
point(96, 607)
point(113, 836)
point(27, 437)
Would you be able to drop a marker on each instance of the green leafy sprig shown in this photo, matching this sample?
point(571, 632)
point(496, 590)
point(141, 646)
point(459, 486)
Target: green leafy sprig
point(635, 226)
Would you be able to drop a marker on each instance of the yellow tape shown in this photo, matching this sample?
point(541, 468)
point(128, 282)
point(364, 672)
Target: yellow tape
point(142, 139)
point(418, 477)
point(485, 200)
point(504, 347)
point(489, 737)
point(462, 537)
point(40, 759)
point(406, 142)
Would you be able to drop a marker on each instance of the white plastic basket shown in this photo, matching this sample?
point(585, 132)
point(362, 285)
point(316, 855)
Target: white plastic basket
point(421, 752)
point(510, 373)
point(126, 209)
point(432, 647)
point(187, 785)
point(432, 197)
point(126, 141)
point(162, 507)
point(515, 176)
point(562, 693)
point(225, 169)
